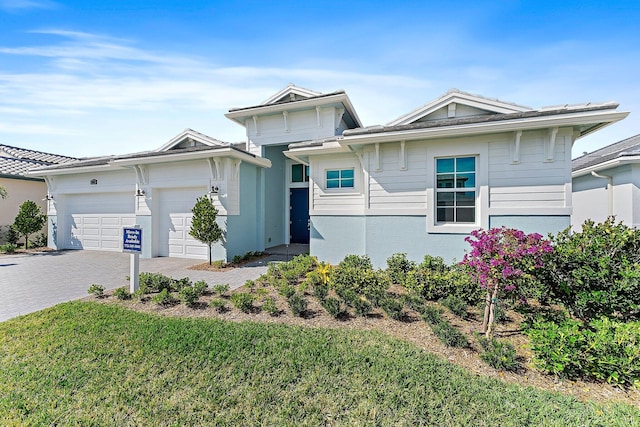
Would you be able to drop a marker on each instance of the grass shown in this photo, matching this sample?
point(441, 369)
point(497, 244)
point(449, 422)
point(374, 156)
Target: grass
point(85, 363)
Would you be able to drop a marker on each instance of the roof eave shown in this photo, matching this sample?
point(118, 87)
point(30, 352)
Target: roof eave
point(239, 116)
point(529, 123)
point(618, 161)
point(70, 171)
point(215, 152)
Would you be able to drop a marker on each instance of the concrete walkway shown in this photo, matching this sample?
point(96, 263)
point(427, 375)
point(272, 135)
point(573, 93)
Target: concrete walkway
point(31, 282)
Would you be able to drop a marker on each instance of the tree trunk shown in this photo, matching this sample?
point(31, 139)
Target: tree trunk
point(209, 254)
point(26, 242)
point(492, 310)
point(485, 319)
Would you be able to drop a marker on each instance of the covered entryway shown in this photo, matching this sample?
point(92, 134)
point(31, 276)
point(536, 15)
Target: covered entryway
point(299, 215)
point(173, 223)
point(95, 221)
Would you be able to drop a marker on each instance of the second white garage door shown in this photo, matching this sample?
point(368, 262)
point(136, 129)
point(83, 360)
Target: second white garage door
point(174, 222)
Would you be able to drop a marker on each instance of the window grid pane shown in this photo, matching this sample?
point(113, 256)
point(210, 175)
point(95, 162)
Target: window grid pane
point(340, 178)
point(454, 176)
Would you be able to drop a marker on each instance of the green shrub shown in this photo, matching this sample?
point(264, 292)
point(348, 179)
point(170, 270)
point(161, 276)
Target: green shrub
point(201, 287)
point(392, 307)
point(498, 354)
point(155, 282)
point(122, 293)
point(456, 305)
point(320, 291)
point(8, 248)
point(333, 307)
point(286, 289)
point(188, 295)
point(432, 314)
point(269, 305)
point(237, 259)
point(219, 263)
point(178, 285)
point(97, 290)
point(361, 306)
point(249, 284)
point(40, 241)
point(448, 334)
point(164, 297)
point(12, 236)
point(434, 280)
point(596, 272)
point(398, 266)
point(604, 350)
point(220, 289)
point(292, 271)
point(218, 304)
point(242, 301)
point(354, 277)
point(298, 304)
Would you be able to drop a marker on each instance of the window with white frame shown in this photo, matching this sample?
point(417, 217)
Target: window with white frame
point(456, 190)
point(339, 178)
point(299, 173)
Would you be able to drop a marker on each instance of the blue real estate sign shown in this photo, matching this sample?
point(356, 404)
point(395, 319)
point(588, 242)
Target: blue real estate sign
point(132, 239)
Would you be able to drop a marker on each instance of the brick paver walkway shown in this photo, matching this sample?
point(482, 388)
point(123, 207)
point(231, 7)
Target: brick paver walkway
point(31, 282)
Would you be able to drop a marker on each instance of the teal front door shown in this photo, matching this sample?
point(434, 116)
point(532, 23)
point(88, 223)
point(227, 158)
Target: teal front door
point(299, 215)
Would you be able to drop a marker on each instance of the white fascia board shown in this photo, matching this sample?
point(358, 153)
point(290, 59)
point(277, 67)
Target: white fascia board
point(488, 127)
point(240, 115)
point(221, 152)
point(290, 89)
point(618, 161)
point(332, 147)
point(70, 171)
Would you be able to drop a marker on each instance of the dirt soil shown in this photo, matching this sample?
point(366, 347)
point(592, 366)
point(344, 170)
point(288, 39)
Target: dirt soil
point(412, 329)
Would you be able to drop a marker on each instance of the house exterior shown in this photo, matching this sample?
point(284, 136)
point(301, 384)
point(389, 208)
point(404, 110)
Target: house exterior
point(15, 163)
point(607, 182)
point(309, 172)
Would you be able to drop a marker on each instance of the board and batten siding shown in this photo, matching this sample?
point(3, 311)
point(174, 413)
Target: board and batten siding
point(336, 201)
point(531, 181)
point(398, 182)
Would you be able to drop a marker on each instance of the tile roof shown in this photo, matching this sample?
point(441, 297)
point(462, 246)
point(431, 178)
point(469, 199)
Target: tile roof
point(16, 162)
point(324, 95)
point(624, 148)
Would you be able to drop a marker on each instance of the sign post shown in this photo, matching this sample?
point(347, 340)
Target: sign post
point(132, 243)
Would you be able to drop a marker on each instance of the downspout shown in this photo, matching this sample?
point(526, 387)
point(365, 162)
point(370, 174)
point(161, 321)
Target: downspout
point(609, 179)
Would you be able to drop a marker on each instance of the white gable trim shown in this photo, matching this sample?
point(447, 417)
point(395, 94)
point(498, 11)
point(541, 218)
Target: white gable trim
point(290, 89)
point(456, 97)
point(190, 134)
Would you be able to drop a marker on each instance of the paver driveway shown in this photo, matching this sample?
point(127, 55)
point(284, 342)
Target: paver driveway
point(31, 282)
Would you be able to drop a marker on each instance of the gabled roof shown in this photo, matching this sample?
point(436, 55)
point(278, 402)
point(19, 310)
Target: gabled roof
point(16, 162)
point(190, 138)
point(611, 155)
point(290, 93)
point(293, 98)
point(481, 104)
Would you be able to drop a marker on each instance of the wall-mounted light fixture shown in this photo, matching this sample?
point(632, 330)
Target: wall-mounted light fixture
point(93, 182)
point(48, 197)
point(214, 190)
point(140, 192)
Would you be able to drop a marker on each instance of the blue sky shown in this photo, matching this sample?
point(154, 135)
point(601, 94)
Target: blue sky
point(111, 77)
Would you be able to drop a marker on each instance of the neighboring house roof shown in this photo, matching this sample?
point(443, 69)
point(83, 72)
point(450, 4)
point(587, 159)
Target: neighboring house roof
point(296, 98)
point(16, 162)
point(626, 150)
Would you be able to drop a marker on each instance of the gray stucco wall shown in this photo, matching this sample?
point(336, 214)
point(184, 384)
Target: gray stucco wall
point(274, 198)
point(334, 237)
point(244, 230)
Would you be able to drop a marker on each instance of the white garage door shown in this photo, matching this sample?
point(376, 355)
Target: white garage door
point(95, 221)
point(174, 223)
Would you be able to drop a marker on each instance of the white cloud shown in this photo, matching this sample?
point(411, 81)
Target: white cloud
point(21, 5)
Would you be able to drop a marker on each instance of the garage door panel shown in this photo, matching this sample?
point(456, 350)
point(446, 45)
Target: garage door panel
point(95, 221)
point(174, 224)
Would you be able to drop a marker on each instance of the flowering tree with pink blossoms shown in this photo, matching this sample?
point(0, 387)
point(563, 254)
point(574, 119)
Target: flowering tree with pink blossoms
point(499, 260)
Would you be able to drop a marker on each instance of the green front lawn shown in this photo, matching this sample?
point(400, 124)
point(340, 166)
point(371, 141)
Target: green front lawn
point(93, 364)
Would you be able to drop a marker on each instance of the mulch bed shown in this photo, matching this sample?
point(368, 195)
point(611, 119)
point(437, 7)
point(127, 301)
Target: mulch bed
point(412, 329)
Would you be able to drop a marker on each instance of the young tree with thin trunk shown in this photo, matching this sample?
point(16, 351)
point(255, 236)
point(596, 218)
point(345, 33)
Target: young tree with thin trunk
point(501, 259)
point(203, 225)
point(29, 220)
